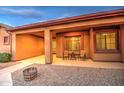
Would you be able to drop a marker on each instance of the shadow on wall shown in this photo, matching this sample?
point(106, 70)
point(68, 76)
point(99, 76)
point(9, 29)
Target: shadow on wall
point(28, 46)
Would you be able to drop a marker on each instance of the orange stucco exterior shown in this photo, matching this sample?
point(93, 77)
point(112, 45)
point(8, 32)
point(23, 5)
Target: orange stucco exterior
point(28, 46)
point(87, 43)
point(84, 27)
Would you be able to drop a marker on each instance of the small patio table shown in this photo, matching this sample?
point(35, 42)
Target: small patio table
point(72, 56)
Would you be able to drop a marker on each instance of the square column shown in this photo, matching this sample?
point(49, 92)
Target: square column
point(13, 46)
point(91, 43)
point(122, 41)
point(48, 46)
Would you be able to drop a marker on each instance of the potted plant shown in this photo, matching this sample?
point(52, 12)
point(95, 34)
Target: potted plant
point(5, 57)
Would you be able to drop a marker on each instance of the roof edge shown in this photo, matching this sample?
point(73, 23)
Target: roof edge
point(102, 14)
point(6, 26)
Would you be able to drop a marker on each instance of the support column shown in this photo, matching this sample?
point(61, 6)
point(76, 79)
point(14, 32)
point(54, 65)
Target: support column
point(91, 43)
point(122, 41)
point(13, 46)
point(48, 46)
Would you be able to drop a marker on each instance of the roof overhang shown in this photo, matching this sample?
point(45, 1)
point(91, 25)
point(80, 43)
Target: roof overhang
point(74, 19)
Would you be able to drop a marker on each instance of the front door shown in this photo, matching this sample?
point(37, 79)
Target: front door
point(72, 43)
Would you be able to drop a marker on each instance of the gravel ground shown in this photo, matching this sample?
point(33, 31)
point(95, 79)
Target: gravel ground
point(50, 75)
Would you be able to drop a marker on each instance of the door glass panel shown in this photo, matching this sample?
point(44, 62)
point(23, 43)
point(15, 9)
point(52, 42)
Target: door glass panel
point(73, 43)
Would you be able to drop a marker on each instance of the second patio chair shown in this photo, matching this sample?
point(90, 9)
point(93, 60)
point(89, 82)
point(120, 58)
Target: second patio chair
point(65, 54)
point(82, 54)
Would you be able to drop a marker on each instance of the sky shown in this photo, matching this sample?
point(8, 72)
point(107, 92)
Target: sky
point(22, 15)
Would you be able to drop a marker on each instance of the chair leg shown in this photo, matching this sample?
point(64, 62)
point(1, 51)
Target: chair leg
point(81, 58)
point(63, 58)
point(66, 58)
point(78, 57)
point(84, 57)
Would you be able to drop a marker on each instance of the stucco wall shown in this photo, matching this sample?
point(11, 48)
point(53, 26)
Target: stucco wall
point(87, 44)
point(107, 57)
point(122, 41)
point(59, 45)
point(28, 46)
point(4, 48)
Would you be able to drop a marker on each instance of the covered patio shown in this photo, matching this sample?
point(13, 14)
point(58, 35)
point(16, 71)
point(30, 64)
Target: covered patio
point(100, 35)
point(50, 42)
point(28, 44)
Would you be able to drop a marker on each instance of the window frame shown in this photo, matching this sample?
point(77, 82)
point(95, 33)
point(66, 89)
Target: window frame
point(116, 41)
point(8, 40)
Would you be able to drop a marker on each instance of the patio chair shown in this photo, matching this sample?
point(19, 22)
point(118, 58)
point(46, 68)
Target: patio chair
point(77, 54)
point(82, 54)
point(65, 54)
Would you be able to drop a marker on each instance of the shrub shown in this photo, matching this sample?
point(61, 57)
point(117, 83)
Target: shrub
point(5, 57)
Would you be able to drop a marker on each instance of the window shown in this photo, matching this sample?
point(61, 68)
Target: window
point(54, 45)
point(106, 41)
point(73, 43)
point(6, 40)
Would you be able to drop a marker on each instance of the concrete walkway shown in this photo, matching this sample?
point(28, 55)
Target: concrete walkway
point(5, 74)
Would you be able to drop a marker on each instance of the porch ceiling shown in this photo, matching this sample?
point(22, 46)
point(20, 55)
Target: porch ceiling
point(71, 29)
point(41, 34)
point(38, 34)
